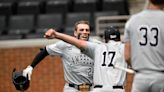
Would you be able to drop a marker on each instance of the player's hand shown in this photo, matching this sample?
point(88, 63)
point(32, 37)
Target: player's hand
point(28, 71)
point(50, 34)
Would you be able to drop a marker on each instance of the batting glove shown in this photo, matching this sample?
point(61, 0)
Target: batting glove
point(28, 71)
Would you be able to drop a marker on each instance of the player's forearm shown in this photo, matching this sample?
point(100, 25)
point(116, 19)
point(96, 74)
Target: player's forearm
point(127, 53)
point(72, 40)
point(40, 56)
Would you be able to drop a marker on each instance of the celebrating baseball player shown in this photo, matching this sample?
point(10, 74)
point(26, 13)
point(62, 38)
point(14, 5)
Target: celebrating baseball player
point(78, 68)
point(106, 56)
point(144, 41)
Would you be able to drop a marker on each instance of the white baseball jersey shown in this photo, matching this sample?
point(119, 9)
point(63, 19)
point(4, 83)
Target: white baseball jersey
point(145, 31)
point(104, 55)
point(78, 68)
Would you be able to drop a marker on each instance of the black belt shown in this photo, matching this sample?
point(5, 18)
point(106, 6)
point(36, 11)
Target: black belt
point(114, 87)
point(118, 87)
point(140, 71)
point(78, 86)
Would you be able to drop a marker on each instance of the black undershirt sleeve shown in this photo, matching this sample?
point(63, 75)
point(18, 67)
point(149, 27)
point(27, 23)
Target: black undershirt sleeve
point(39, 57)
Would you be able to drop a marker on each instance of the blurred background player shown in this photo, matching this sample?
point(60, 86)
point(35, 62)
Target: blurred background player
point(78, 68)
point(144, 41)
point(106, 77)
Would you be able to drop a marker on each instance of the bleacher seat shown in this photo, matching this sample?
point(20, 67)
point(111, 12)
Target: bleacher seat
point(46, 21)
point(104, 13)
point(21, 24)
point(30, 7)
point(72, 18)
point(10, 37)
point(7, 7)
point(34, 36)
point(57, 6)
point(85, 6)
point(101, 14)
point(3, 24)
point(117, 5)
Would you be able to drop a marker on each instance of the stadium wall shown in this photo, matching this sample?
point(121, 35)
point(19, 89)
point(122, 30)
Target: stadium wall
point(46, 77)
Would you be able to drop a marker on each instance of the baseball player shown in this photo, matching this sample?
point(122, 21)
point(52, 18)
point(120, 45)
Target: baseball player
point(78, 68)
point(144, 41)
point(106, 55)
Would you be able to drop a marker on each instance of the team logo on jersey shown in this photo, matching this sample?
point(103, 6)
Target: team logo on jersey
point(82, 59)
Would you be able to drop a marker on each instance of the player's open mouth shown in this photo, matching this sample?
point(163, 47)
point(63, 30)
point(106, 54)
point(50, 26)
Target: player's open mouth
point(84, 37)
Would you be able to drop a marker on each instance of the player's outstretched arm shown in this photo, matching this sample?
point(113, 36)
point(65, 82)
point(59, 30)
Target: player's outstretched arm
point(51, 33)
point(40, 56)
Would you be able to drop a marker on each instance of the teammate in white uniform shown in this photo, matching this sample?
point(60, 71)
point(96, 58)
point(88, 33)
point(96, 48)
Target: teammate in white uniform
point(144, 41)
point(78, 68)
point(106, 77)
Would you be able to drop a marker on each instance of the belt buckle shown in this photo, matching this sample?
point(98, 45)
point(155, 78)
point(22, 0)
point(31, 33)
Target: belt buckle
point(84, 87)
point(76, 87)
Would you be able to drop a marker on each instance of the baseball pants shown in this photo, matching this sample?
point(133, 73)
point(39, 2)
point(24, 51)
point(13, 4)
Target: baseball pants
point(148, 82)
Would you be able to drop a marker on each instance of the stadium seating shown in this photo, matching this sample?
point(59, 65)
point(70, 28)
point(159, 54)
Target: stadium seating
point(7, 7)
point(85, 6)
point(11, 37)
point(102, 13)
point(105, 13)
point(21, 24)
point(3, 23)
point(117, 5)
point(30, 7)
point(57, 6)
point(34, 35)
point(34, 17)
point(46, 21)
point(71, 18)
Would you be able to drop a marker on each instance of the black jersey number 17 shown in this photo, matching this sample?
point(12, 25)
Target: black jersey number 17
point(112, 54)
